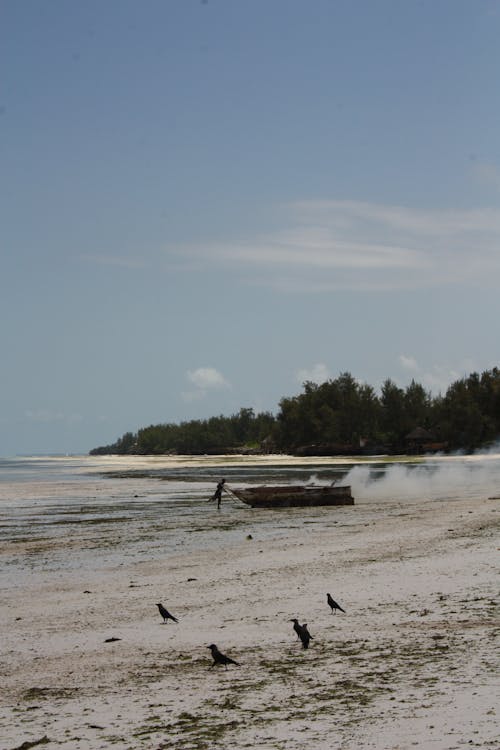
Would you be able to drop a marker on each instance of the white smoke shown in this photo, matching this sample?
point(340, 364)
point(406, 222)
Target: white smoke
point(440, 477)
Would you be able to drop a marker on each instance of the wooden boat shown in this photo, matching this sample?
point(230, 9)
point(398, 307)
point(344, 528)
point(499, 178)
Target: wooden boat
point(294, 496)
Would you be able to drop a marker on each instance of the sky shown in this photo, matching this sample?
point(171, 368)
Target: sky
point(204, 204)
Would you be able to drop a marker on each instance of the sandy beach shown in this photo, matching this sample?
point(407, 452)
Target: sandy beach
point(413, 662)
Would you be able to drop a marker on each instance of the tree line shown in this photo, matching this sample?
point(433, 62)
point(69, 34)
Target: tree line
point(339, 416)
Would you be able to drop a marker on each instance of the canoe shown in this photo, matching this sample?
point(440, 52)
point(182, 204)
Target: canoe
point(294, 496)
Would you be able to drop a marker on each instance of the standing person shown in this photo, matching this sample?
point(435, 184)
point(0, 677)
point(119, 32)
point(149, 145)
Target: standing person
point(218, 492)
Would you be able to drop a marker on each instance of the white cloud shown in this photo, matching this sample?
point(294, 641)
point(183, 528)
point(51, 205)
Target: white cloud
point(206, 378)
point(409, 363)
point(436, 378)
point(318, 374)
point(411, 220)
point(365, 246)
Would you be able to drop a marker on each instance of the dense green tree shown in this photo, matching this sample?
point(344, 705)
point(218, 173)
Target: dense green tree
point(417, 406)
point(392, 412)
point(337, 415)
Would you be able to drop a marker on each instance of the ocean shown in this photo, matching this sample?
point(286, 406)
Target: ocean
point(63, 515)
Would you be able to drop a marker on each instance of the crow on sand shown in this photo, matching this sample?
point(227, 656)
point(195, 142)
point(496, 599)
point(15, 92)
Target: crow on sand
point(302, 632)
point(305, 636)
point(220, 658)
point(333, 604)
point(166, 614)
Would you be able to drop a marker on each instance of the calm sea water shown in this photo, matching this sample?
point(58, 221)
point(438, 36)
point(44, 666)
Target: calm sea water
point(80, 513)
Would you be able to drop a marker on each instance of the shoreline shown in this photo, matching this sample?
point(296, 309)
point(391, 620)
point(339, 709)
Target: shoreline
point(411, 661)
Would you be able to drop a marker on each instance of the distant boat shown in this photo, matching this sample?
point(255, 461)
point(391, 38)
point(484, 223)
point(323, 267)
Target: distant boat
point(294, 496)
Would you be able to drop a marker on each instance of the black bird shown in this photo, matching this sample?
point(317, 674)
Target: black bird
point(302, 632)
point(305, 636)
point(220, 658)
point(166, 614)
point(333, 604)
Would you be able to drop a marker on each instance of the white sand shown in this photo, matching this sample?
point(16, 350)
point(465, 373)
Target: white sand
point(413, 662)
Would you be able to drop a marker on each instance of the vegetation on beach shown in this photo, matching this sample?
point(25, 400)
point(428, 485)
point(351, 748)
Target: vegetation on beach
point(340, 416)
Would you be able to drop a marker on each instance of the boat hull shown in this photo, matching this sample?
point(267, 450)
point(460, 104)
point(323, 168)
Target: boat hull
point(294, 496)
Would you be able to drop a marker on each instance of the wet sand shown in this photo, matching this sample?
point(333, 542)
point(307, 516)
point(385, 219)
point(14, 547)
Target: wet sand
point(413, 662)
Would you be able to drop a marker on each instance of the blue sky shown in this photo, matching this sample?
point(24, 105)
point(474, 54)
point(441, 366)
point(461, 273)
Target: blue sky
point(203, 204)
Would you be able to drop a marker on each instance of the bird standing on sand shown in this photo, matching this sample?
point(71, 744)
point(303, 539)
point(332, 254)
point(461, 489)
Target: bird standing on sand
point(305, 636)
point(220, 658)
point(296, 626)
point(166, 614)
point(302, 632)
point(333, 604)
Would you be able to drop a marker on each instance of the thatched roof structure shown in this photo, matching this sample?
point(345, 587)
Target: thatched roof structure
point(419, 435)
